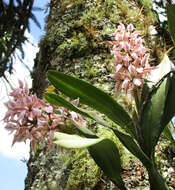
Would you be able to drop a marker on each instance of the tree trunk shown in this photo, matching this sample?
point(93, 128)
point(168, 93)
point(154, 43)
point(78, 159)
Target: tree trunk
point(76, 42)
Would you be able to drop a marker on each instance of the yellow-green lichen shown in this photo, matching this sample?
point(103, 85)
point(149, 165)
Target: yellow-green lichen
point(74, 46)
point(84, 172)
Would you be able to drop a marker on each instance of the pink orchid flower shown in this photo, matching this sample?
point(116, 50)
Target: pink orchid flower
point(131, 65)
point(29, 117)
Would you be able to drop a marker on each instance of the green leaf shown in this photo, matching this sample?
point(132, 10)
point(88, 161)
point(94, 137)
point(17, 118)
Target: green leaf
point(132, 146)
point(86, 132)
point(145, 91)
point(171, 19)
point(74, 141)
point(161, 70)
point(93, 97)
point(103, 151)
point(55, 99)
point(168, 131)
point(152, 111)
point(107, 157)
point(151, 118)
point(169, 110)
point(137, 102)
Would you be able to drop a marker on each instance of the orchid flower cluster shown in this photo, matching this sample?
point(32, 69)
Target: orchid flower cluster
point(130, 58)
point(32, 118)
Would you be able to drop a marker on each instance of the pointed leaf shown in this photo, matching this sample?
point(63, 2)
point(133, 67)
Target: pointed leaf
point(152, 116)
point(169, 110)
point(35, 20)
point(171, 19)
point(103, 151)
point(37, 9)
point(93, 97)
point(86, 132)
point(152, 112)
point(56, 99)
point(161, 70)
point(167, 132)
point(107, 157)
point(132, 146)
point(74, 141)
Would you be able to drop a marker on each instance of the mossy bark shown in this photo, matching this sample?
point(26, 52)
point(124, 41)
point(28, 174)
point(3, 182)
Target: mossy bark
point(76, 42)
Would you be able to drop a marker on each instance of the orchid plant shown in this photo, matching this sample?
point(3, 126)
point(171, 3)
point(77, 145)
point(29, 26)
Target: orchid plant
point(35, 119)
point(154, 107)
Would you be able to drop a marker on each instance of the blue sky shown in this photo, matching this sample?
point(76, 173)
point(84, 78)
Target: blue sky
point(40, 15)
point(12, 170)
point(12, 173)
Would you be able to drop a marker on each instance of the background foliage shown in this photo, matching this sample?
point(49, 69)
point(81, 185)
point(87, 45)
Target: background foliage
point(14, 21)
